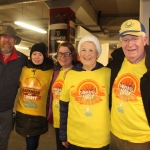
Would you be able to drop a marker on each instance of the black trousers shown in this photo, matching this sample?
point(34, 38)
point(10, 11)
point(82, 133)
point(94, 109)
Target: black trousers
point(58, 142)
point(32, 142)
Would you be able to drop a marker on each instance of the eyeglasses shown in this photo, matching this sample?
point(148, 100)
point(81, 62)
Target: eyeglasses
point(126, 40)
point(66, 54)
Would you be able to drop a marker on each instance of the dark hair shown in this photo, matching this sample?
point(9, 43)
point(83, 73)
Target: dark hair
point(72, 50)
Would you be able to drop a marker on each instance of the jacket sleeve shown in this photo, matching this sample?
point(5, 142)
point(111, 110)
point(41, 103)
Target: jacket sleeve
point(63, 121)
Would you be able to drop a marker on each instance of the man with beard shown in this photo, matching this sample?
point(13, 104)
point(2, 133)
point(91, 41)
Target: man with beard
point(11, 63)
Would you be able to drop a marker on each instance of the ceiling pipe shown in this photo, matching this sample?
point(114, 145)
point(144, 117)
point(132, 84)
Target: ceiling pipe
point(99, 24)
point(8, 2)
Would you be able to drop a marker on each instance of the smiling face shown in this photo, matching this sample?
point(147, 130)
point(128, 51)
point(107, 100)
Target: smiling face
point(7, 43)
point(64, 57)
point(133, 46)
point(37, 58)
point(88, 55)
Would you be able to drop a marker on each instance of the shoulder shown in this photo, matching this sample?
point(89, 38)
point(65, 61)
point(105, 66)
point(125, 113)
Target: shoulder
point(23, 56)
point(118, 53)
point(20, 54)
point(104, 70)
point(117, 58)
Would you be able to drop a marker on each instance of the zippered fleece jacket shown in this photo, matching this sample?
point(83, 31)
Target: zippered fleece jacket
point(9, 80)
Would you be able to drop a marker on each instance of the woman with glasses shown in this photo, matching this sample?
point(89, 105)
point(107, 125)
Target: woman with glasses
point(84, 104)
point(66, 58)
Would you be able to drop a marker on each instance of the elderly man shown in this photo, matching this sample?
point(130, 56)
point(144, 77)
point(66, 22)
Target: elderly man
point(11, 63)
point(130, 83)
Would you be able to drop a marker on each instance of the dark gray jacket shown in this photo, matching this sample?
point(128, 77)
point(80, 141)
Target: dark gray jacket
point(9, 80)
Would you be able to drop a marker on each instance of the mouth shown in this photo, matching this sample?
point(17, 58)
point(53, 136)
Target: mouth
point(6, 43)
point(37, 60)
point(131, 50)
point(87, 59)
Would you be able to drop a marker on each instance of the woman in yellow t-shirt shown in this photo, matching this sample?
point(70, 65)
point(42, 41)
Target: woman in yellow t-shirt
point(84, 104)
point(31, 107)
point(66, 58)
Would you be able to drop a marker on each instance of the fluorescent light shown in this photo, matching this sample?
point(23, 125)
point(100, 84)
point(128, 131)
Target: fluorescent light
point(60, 41)
point(21, 47)
point(30, 27)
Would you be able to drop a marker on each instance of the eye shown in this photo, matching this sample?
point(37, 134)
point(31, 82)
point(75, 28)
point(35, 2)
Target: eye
point(66, 54)
point(91, 50)
point(40, 54)
point(125, 40)
point(135, 38)
point(83, 50)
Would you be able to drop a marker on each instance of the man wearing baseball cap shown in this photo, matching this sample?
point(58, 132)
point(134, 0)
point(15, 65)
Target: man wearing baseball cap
point(11, 63)
point(130, 89)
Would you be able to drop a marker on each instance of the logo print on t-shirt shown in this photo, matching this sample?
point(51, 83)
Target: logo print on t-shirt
point(56, 89)
point(88, 92)
point(31, 89)
point(126, 88)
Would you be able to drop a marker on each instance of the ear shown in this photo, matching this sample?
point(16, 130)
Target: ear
point(120, 43)
point(15, 40)
point(145, 40)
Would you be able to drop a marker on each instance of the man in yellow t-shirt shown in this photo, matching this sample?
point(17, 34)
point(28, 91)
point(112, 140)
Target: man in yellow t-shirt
point(130, 83)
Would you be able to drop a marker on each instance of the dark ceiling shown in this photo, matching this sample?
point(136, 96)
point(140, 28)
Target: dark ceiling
point(100, 17)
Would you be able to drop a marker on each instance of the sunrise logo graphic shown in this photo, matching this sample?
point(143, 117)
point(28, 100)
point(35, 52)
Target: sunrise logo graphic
point(56, 89)
point(88, 92)
point(31, 89)
point(126, 88)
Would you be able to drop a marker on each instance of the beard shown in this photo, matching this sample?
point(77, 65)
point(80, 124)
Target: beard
point(6, 47)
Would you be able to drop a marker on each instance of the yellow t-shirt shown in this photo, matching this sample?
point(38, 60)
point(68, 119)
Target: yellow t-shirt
point(87, 92)
point(56, 90)
point(128, 118)
point(34, 89)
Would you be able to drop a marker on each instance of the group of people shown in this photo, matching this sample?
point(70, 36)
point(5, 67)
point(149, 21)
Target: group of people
point(93, 106)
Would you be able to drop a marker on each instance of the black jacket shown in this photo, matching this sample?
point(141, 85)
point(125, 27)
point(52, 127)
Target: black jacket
point(115, 65)
point(9, 80)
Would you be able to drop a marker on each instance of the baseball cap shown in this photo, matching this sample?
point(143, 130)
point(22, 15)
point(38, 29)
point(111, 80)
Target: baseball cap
point(132, 27)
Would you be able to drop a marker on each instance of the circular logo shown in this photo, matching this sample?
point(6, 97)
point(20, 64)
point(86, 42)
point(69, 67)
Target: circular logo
point(129, 25)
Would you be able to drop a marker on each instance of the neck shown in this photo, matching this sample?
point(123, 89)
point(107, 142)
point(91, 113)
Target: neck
point(67, 67)
point(6, 55)
point(138, 60)
point(89, 68)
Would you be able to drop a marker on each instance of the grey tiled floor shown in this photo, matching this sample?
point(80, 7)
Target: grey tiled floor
point(47, 141)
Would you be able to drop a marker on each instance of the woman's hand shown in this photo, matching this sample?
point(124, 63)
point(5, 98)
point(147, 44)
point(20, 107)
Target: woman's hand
point(66, 144)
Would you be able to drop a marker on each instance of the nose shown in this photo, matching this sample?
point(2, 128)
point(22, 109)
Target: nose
point(131, 42)
point(87, 53)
